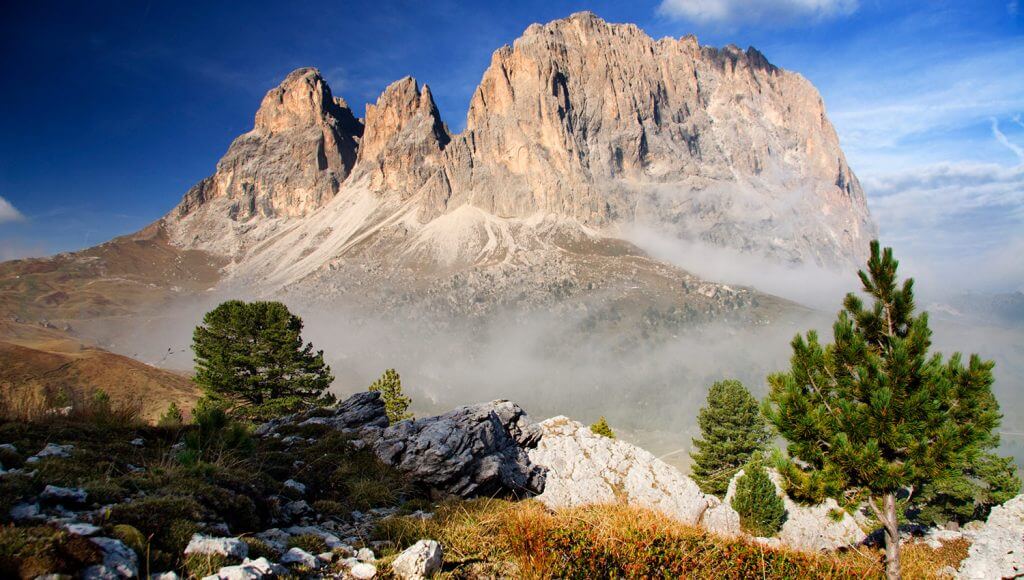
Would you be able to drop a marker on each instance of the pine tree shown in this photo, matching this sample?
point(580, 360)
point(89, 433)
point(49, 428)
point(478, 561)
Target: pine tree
point(172, 417)
point(967, 493)
point(732, 430)
point(762, 512)
point(395, 402)
point(873, 414)
point(602, 428)
point(252, 354)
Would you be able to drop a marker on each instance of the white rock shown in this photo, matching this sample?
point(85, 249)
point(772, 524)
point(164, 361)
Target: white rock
point(722, 520)
point(57, 493)
point(165, 576)
point(138, 442)
point(25, 511)
point(365, 555)
point(421, 560)
point(363, 571)
point(998, 548)
point(937, 536)
point(82, 529)
point(810, 528)
point(119, 561)
point(8, 447)
point(586, 468)
point(52, 450)
point(295, 485)
point(249, 570)
point(230, 547)
point(301, 557)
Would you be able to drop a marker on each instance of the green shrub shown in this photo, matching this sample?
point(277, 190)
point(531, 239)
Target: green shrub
point(389, 385)
point(732, 432)
point(260, 549)
point(203, 565)
point(762, 512)
point(172, 417)
point(311, 543)
point(602, 428)
point(215, 436)
point(169, 522)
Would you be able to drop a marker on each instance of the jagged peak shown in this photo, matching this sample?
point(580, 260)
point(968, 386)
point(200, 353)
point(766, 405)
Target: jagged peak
point(302, 99)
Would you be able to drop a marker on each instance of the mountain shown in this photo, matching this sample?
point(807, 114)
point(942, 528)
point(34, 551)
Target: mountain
point(509, 244)
point(577, 133)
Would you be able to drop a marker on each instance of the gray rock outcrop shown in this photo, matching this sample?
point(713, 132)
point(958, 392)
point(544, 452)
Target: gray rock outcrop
point(476, 450)
point(586, 468)
point(998, 547)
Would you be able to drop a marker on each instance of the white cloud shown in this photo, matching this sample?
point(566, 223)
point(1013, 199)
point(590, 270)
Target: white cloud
point(732, 12)
point(9, 213)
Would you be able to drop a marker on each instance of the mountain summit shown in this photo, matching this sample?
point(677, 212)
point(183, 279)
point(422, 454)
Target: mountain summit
point(580, 128)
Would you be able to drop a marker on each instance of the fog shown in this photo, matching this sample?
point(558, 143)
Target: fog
point(650, 389)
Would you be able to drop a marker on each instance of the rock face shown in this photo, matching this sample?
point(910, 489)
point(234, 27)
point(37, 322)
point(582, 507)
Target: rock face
point(470, 451)
point(592, 122)
point(303, 145)
point(585, 468)
point(998, 548)
point(809, 528)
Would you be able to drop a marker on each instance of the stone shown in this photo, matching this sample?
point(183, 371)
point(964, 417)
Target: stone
point(58, 494)
point(119, 561)
point(365, 555)
point(362, 571)
point(470, 451)
point(165, 576)
point(722, 520)
point(250, 570)
point(295, 486)
point(998, 547)
point(586, 468)
point(25, 511)
point(300, 557)
point(810, 528)
point(82, 529)
point(52, 450)
point(355, 414)
point(230, 547)
point(330, 539)
point(138, 442)
point(421, 560)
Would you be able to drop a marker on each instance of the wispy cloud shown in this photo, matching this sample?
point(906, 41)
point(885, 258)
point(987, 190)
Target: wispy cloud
point(9, 213)
point(738, 12)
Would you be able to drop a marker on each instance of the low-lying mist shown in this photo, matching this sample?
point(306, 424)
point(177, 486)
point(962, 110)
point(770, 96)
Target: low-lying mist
point(649, 389)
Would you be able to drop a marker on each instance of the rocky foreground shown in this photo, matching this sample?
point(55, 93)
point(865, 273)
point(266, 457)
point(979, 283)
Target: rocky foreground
point(330, 479)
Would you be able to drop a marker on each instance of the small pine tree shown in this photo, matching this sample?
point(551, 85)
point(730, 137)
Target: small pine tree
point(874, 413)
point(389, 385)
point(251, 354)
point(99, 404)
point(602, 428)
point(968, 493)
point(733, 431)
point(172, 417)
point(762, 512)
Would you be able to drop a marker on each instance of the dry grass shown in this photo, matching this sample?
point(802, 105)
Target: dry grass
point(528, 541)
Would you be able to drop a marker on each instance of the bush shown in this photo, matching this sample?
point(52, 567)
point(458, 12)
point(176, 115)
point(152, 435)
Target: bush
point(216, 435)
point(389, 385)
point(172, 417)
point(310, 543)
point(732, 432)
point(602, 428)
point(762, 512)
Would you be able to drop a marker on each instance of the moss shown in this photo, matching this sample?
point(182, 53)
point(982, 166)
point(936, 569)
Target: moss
point(310, 543)
point(169, 523)
point(331, 508)
point(132, 538)
point(27, 552)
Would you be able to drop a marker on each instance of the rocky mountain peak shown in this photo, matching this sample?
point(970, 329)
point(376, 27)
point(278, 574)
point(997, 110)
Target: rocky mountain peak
point(581, 120)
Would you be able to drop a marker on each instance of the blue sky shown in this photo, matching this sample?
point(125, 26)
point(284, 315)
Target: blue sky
point(111, 110)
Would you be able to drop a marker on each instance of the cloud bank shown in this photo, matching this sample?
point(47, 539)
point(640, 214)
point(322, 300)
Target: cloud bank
point(9, 213)
point(737, 12)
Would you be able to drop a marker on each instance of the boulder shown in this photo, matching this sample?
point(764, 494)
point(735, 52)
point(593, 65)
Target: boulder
point(363, 571)
point(586, 468)
point(421, 560)
point(722, 520)
point(470, 451)
point(300, 557)
point(51, 450)
point(119, 561)
point(810, 528)
point(57, 494)
point(355, 414)
point(998, 548)
point(250, 570)
point(230, 547)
